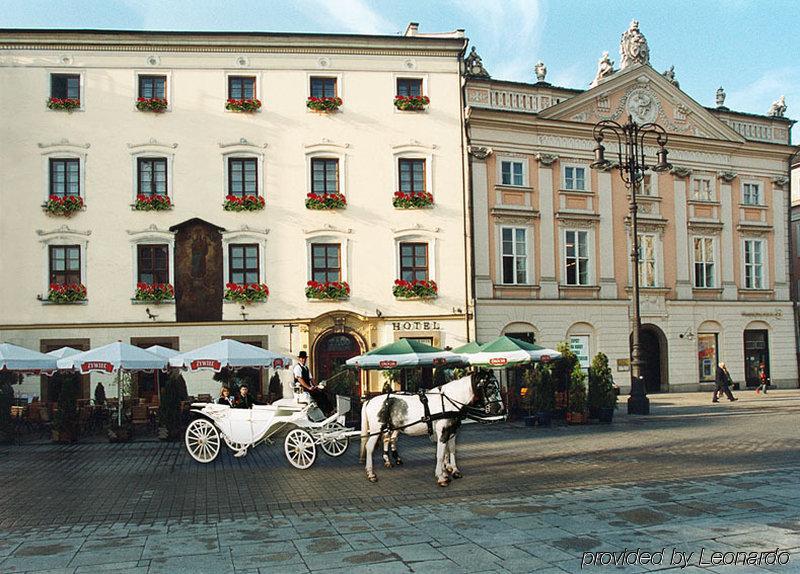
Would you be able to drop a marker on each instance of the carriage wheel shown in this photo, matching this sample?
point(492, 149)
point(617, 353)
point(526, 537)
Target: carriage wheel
point(202, 440)
point(300, 449)
point(234, 446)
point(333, 446)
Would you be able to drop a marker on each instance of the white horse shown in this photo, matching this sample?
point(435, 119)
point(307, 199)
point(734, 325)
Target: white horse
point(394, 413)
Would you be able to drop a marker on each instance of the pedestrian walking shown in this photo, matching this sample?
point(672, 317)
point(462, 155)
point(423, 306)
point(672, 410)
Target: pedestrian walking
point(762, 378)
point(723, 381)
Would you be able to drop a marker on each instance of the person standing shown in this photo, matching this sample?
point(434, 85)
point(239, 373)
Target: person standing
point(99, 394)
point(762, 378)
point(302, 375)
point(723, 381)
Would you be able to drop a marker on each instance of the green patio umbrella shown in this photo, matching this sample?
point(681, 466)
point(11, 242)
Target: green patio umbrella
point(405, 353)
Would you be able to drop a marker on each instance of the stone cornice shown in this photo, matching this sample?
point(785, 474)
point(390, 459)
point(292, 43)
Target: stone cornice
point(64, 142)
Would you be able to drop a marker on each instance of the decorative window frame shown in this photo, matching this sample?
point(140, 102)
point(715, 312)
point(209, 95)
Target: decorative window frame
point(414, 150)
point(330, 234)
point(529, 230)
point(327, 150)
point(418, 235)
point(324, 73)
point(63, 150)
point(81, 89)
point(500, 158)
point(151, 236)
point(246, 150)
point(153, 72)
point(156, 150)
point(761, 192)
point(715, 250)
point(244, 72)
point(713, 186)
point(765, 284)
point(590, 248)
point(241, 236)
point(63, 235)
point(659, 255)
point(587, 177)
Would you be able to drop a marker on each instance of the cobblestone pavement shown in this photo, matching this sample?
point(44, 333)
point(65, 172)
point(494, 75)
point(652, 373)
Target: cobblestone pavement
point(691, 476)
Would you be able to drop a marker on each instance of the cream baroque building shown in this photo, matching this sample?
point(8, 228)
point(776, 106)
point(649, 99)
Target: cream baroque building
point(551, 235)
point(196, 152)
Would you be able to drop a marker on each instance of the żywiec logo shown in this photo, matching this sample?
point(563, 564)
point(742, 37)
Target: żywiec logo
point(277, 364)
point(498, 361)
point(96, 366)
point(387, 364)
point(205, 363)
point(439, 361)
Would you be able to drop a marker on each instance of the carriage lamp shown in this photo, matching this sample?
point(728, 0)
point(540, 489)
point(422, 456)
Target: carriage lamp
point(632, 167)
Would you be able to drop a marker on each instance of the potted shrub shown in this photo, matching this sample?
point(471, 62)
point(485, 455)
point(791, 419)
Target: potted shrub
point(602, 394)
point(71, 293)
point(65, 420)
point(67, 104)
point(411, 103)
point(246, 292)
point(152, 203)
point(244, 203)
point(65, 206)
point(173, 391)
point(157, 105)
point(324, 104)
point(412, 200)
point(325, 201)
point(530, 379)
point(154, 292)
point(543, 400)
point(333, 290)
point(562, 372)
point(576, 404)
point(7, 378)
point(247, 105)
point(416, 289)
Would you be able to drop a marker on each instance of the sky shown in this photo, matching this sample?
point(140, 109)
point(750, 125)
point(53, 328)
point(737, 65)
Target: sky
point(749, 47)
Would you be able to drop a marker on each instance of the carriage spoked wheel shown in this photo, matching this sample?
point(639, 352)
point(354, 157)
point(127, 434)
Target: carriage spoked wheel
point(236, 447)
point(300, 449)
point(333, 446)
point(202, 440)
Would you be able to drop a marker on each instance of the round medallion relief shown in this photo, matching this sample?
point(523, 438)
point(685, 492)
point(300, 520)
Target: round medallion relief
point(642, 106)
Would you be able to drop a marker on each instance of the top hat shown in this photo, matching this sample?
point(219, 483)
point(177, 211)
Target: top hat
point(302, 355)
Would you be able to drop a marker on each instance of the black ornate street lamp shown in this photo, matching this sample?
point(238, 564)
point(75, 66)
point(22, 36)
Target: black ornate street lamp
point(632, 168)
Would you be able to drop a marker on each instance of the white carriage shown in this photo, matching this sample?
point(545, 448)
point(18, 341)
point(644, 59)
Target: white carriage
point(242, 429)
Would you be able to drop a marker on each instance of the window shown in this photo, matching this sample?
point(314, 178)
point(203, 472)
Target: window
point(753, 264)
point(575, 178)
point(646, 186)
point(324, 175)
point(243, 264)
point(65, 264)
point(412, 175)
point(704, 262)
point(577, 257)
point(242, 176)
point(153, 87)
point(702, 189)
point(323, 87)
point(647, 260)
point(152, 264)
point(241, 87)
point(751, 194)
point(511, 173)
point(152, 176)
point(414, 261)
point(409, 87)
point(326, 262)
point(707, 356)
point(65, 177)
point(514, 255)
point(65, 86)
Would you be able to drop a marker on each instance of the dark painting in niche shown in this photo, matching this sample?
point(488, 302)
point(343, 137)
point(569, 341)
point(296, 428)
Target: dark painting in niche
point(198, 271)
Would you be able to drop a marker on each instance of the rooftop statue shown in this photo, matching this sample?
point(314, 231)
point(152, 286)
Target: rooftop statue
point(778, 107)
point(633, 47)
point(670, 75)
point(474, 66)
point(541, 71)
point(605, 67)
point(720, 97)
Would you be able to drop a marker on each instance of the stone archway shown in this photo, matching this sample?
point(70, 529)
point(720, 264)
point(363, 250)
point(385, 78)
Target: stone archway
point(653, 349)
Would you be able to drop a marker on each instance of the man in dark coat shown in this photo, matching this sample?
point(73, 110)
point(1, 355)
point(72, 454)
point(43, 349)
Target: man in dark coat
point(302, 376)
point(723, 381)
point(244, 400)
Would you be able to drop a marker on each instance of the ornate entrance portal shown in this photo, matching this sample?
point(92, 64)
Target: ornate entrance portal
point(332, 351)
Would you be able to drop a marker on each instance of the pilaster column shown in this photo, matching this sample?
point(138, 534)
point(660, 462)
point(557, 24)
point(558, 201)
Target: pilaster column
point(608, 285)
point(779, 230)
point(726, 247)
point(547, 279)
point(683, 278)
point(480, 222)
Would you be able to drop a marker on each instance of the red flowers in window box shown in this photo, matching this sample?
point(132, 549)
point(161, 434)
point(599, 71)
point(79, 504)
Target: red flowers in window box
point(249, 105)
point(246, 292)
point(66, 205)
point(324, 104)
point(70, 293)
point(151, 104)
point(244, 203)
point(68, 104)
point(417, 289)
point(334, 290)
point(412, 199)
point(325, 201)
point(411, 103)
point(154, 292)
point(152, 203)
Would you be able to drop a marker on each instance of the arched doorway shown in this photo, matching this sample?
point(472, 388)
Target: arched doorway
point(331, 351)
point(653, 349)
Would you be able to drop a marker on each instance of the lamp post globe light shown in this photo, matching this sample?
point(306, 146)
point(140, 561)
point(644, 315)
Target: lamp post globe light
point(632, 167)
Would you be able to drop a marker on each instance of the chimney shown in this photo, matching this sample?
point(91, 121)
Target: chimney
point(411, 29)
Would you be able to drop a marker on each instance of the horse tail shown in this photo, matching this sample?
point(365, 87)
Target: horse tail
point(362, 457)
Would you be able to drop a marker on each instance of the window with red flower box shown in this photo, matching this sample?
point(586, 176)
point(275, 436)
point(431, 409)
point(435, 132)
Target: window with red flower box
point(242, 94)
point(152, 263)
point(414, 261)
point(65, 264)
point(326, 262)
point(409, 96)
point(65, 92)
point(243, 263)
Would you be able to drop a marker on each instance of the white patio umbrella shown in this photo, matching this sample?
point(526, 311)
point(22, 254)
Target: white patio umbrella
point(228, 353)
point(63, 352)
point(165, 352)
point(113, 358)
point(16, 358)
